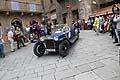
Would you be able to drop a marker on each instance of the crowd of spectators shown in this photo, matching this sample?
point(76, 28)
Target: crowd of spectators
point(106, 23)
point(22, 35)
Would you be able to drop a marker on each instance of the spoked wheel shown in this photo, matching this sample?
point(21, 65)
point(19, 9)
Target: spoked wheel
point(39, 49)
point(64, 48)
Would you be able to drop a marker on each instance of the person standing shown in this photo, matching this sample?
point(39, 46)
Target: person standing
point(2, 54)
point(38, 30)
point(49, 28)
point(27, 29)
point(89, 24)
point(10, 39)
point(97, 25)
point(42, 30)
point(18, 34)
point(77, 26)
point(117, 20)
point(115, 10)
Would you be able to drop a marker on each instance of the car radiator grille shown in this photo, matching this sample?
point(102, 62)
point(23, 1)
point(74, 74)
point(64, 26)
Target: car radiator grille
point(50, 44)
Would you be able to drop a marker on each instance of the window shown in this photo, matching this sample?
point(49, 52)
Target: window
point(15, 6)
point(32, 7)
point(106, 3)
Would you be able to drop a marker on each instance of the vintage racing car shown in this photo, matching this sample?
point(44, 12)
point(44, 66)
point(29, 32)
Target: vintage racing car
point(58, 42)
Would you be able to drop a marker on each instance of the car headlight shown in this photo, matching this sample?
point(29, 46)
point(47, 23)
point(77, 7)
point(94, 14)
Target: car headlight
point(56, 38)
point(76, 30)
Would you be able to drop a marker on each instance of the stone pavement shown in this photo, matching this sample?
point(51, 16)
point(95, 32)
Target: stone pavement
point(91, 58)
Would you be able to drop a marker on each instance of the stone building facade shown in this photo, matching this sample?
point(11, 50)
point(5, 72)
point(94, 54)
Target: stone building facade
point(71, 10)
point(58, 12)
point(53, 10)
point(103, 7)
point(67, 10)
point(19, 11)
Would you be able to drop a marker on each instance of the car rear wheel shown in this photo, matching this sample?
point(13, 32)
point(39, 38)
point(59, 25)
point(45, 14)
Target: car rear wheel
point(64, 48)
point(77, 36)
point(39, 49)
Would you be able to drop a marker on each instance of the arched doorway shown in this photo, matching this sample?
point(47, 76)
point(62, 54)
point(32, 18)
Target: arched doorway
point(16, 22)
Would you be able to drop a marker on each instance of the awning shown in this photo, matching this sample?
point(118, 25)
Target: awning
point(103, 11)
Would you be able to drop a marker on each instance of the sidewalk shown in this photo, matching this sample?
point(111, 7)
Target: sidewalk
point(7, 46)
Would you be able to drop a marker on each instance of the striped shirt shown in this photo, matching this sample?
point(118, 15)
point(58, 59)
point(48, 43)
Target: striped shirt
point(1, 32)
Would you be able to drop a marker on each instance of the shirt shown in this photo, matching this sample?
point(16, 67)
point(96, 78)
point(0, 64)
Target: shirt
point(27, 29)
point(10, 35)
point(88, 22)
point(97, 22)
point(117, 20)
point(1, 32)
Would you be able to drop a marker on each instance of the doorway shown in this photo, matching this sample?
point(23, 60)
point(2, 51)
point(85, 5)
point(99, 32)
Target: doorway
point(16, 22)
point(64, 17)
point(75, 14)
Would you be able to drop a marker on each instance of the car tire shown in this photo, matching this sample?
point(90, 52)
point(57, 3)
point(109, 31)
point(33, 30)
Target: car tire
point(77, 36)
point(39, 49)
point(64, 48)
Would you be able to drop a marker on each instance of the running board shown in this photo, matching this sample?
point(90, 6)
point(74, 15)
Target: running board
point(72, 40)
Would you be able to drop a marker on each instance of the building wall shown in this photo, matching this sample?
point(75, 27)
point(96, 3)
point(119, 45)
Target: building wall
point(73, 5)
point(60, 9)
point(85, 9)
point(53, 9)
point(23, 6)
point(47, 5)
point(29, 1)
point(7, 14)
point(6, 20)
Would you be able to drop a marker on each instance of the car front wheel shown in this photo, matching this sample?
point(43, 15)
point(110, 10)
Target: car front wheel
point(39, 49)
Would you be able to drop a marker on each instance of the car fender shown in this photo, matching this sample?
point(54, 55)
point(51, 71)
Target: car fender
point(66, 40)
point(41, 42)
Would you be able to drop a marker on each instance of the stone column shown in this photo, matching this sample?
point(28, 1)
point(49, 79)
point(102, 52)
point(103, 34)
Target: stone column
point(59, 13)
point(69, 17)
point(85, 9)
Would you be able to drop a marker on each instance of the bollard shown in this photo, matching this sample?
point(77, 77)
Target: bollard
point(119, 55)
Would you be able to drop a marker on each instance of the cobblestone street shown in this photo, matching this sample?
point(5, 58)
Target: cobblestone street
point(92, 57)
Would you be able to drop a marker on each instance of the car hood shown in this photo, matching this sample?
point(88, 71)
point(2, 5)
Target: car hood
point(57, 34)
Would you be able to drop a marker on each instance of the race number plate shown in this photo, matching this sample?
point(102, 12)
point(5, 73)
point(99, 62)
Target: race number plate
point(50, 50)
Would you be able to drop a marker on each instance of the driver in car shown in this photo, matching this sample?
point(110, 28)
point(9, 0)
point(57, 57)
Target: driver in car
point(66, 28)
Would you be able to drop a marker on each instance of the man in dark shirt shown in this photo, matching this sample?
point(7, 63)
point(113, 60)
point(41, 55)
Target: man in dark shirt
point(115, 9)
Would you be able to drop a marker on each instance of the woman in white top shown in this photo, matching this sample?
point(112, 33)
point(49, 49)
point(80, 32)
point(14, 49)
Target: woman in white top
point(11, 40)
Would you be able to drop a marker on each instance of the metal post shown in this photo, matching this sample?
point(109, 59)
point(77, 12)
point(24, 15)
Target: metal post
point(68, 16)
point(98, 4)
point(43, 14)
point(119, 55)
point(68, 10)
